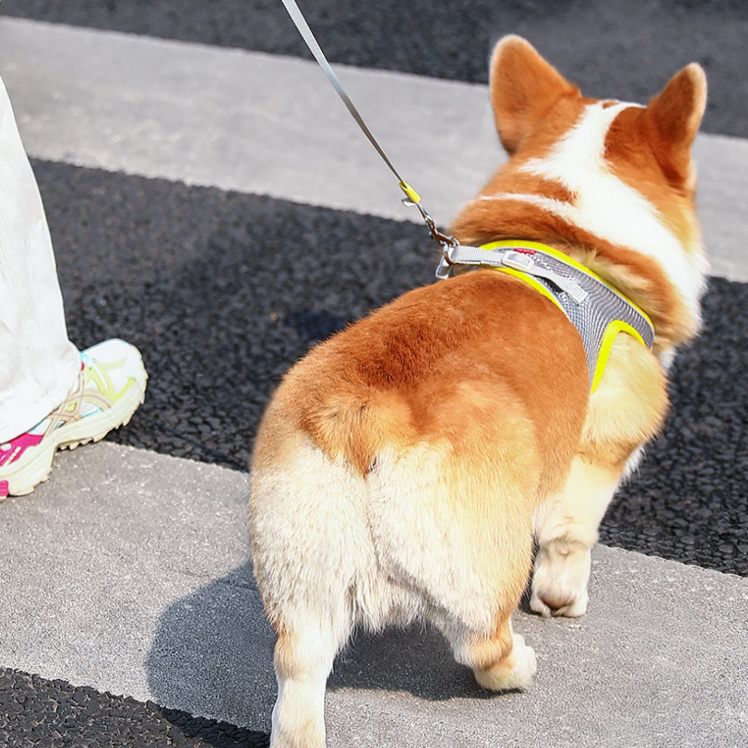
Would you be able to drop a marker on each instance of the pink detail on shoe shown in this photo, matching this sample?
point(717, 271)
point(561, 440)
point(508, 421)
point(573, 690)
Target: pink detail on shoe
point(18, 446)
point(4, 488)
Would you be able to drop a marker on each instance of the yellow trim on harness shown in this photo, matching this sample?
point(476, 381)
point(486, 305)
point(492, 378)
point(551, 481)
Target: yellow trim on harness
point(611, 332)
point(564, 258)
point(525, 278)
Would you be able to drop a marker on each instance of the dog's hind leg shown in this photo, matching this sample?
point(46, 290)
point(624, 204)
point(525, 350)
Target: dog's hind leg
point(567, 525)
point(501, 661)
point(453, 526)
point(310, 546)
point(303, 660)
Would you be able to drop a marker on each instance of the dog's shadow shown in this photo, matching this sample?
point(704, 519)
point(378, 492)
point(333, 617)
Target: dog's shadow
point(212, 655)
point(416, 660)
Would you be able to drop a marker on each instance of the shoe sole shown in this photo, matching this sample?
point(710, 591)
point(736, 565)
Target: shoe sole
point(89, 429)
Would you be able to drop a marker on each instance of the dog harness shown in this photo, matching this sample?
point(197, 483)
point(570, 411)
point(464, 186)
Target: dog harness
point(594, 307)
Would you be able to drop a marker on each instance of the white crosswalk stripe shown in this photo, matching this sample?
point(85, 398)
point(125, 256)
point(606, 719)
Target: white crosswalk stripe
point(272, 125)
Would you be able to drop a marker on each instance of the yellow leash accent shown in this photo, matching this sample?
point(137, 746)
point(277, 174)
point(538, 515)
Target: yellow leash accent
point(411, 196)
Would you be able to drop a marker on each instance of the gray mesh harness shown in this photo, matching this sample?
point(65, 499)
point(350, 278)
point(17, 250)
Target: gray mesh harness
point(596, 309)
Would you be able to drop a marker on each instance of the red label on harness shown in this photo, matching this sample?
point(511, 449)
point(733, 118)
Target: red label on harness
point(525, 251)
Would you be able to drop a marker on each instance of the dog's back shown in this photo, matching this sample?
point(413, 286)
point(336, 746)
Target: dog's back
point(402, 466)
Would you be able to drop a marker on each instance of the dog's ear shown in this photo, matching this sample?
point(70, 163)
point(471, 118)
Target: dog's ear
point(523, 87)
point(674, 117)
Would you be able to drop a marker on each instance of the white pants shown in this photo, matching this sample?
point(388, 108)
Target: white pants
point(38, 364)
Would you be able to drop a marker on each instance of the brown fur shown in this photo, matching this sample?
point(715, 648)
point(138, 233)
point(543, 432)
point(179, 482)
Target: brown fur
point(417, 369)
point(474, 394)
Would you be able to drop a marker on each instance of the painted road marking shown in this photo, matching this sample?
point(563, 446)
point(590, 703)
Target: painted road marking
point(139, 582)
point(272, 125)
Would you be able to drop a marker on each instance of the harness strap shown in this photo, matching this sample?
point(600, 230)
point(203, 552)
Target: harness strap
point(508, 257)
point(598, 310)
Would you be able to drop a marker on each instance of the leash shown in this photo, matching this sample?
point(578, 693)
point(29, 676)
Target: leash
point(595, 308)
point(411, 196)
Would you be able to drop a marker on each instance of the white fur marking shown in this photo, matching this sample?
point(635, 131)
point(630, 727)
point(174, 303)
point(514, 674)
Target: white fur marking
point(632, 464)
point(607, 207)
point(667, 357)
point(557, 207)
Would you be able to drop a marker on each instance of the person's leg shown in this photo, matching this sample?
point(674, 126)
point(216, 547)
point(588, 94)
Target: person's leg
point(51, 395)
point(38, 364)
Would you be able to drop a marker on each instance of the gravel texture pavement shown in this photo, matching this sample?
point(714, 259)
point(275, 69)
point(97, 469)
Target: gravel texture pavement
point(223, 292)
point(638, 44)
point(40, 713)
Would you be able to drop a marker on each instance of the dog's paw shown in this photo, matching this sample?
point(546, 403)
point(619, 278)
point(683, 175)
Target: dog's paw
point(559, 582)
point(514, 673)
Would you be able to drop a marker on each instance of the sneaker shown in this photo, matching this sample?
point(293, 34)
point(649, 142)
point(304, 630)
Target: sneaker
point(110, 388)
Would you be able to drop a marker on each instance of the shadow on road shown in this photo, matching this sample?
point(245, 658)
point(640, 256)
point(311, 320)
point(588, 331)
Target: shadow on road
point(212, 656)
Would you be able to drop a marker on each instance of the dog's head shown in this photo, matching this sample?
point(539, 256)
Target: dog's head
point(609, 181)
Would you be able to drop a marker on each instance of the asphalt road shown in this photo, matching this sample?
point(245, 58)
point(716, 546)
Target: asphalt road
point(35, 711)
point(223, 292)
point(194, 277)
point(638, 44)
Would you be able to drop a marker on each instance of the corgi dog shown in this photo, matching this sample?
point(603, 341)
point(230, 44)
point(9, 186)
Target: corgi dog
point(405, 467)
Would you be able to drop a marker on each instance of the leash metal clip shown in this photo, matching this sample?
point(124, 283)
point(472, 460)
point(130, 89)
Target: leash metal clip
point(444, 268)
point(448, 243)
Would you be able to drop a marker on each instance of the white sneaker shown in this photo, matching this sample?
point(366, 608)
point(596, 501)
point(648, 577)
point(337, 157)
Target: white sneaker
point(110, 388)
